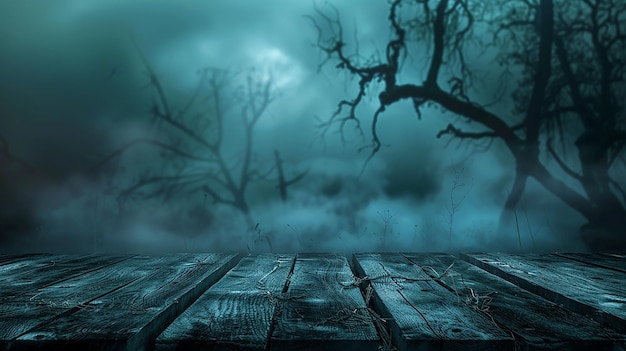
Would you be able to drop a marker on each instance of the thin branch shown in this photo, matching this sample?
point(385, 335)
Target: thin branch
point(173, 149)
point(574, 86)
point(147, 181)
point(217, 199)
point(619, 189)
point(375, 140)
point(196, 93)
point(562, 164)
point(451, 129)
point(283, 183)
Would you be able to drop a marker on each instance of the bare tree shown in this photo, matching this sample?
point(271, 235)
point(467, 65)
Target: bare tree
point(572, 64)
point(194, 156)
point(197, 144)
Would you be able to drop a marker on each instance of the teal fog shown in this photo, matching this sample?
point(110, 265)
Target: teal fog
point(74, 89)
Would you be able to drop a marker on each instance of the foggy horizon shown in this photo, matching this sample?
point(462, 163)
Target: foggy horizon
point(74, 90)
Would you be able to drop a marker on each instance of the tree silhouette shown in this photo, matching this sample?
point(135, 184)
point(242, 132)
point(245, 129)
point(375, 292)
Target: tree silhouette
point(283, 183)
point(570, 91)
point(207, 144)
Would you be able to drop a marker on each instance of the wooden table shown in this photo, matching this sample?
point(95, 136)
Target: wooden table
point(367, 301)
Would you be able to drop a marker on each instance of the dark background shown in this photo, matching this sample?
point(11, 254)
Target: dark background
point(61, 111)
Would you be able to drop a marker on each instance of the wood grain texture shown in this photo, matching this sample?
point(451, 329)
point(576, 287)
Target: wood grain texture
point(322, 310)
point(123, 306)
point(21, 313)
point(5, 259)
point(561, 301)
point(130, 317)
point(536, 323)
point(53, 270)
point(422, 314)
point(596, 292)
point(622, 256)
point(236, 313)
point(13, 269)
point(611, 262)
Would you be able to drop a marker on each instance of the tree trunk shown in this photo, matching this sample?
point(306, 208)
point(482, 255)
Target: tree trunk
point(605, 236)
point(606, 229)
point(508, 217)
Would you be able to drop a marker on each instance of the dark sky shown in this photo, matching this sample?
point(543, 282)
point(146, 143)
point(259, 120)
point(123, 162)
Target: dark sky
point(61, 113)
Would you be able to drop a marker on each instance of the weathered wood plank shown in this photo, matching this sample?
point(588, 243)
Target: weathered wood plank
point(13, 258)
point(132, 316)
point(605, 261)
point(20, 313)
point(595, 292)
point(53, 271)
point(12, 269)
point(321, 310)
point(236, 313)
point(75, 301)
point(622, 256)
point(423, 315)
point(537, 323)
